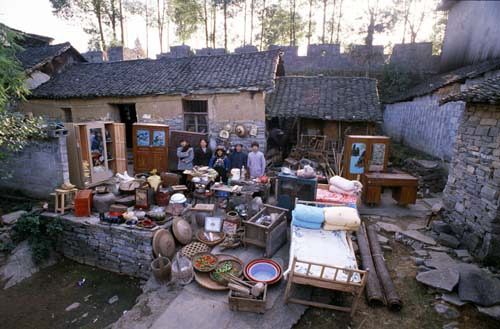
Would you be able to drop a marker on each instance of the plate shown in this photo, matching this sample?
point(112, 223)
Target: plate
point(206, 268)
point(210, 238)
point(236, 270)
point(263, 270)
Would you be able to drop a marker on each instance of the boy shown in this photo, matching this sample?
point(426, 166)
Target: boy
point(256, 162)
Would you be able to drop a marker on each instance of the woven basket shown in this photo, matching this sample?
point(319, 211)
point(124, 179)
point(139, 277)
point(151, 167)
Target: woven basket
point(182, 270)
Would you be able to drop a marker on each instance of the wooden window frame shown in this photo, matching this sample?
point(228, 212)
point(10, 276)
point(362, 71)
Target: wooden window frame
point(195, 115)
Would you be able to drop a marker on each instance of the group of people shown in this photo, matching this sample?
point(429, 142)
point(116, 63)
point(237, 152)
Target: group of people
point(220, 161)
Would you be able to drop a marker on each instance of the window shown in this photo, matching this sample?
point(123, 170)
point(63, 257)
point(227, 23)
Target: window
point(67, 114)
point(195, 116)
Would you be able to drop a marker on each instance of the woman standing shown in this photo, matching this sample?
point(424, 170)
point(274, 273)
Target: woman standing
point(202, 154)
point(185, 155)
point(220, 163)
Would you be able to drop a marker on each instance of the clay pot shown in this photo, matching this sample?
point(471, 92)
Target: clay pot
point(162, 269)
point(103, 200)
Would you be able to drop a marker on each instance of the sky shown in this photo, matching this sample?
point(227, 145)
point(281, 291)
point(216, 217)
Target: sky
point(35, 16)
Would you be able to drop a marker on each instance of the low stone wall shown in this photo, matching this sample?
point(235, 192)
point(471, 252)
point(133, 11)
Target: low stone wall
point(471, 196)
point(424, 125)
point(115, 248)
point(431, 175)
point(38, 169)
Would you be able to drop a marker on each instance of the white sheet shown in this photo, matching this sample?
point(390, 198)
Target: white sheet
point(323, 247)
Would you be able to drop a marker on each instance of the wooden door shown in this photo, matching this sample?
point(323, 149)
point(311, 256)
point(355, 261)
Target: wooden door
point(150, 144)
point(120, 147)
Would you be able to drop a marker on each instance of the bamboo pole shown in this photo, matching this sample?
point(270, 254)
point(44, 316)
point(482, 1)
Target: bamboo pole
point(391, 295)
point(374, 293)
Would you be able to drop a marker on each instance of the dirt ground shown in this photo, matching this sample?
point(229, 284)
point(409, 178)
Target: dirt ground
point(40, 301)
point(418, 305)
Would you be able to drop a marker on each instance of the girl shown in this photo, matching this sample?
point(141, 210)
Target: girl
point(220, 163)
point(202, 154)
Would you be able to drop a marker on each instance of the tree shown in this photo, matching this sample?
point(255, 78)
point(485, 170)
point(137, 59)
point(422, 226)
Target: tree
point(161, 13)
point(380, 19)
point(293, 14)
point(16, 130)
point(186, 18)
point(228, 10)
point(310, 22)
point(262, 23)
point(277, 30)
point(331, 25)
point(438, 29)
point(113, 15)
point(252, 10)
point(323, 33)
point(81, 9)
point(338, 21)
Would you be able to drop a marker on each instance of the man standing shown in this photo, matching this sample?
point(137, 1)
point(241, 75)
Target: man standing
point(238, 158)
point(256, 162)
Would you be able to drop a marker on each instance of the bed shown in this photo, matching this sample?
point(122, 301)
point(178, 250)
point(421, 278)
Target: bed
point(310, 265)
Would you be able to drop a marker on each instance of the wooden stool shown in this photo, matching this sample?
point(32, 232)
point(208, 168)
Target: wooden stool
point(64, 199)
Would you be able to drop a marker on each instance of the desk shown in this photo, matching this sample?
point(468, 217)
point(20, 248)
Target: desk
point(404, 187)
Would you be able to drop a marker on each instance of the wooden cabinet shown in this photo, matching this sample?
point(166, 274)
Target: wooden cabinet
point(363, 154)
point(404, 187)
point(96, 151)
point(150, 145)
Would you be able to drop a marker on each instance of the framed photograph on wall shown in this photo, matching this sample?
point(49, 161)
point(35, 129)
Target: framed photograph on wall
point(141, 198)
point(213, 224)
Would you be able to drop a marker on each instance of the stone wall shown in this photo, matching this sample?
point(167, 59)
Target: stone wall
point(115, 248)
point(38, 169)
point(471, 196)
point(424, 125)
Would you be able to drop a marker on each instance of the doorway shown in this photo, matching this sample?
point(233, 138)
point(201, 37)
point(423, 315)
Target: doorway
point(128, 116)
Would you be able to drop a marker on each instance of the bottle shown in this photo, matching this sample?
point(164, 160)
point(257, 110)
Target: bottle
point(243, 173)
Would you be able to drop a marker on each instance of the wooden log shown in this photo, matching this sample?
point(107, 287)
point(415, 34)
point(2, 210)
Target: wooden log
point(393, 300)
point(374, 293)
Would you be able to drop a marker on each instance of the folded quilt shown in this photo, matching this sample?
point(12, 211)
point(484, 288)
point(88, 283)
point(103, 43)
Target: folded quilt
point(348, 186)
point(309, 214)
point(335, 189)
point(299, 223)
point(341, 218)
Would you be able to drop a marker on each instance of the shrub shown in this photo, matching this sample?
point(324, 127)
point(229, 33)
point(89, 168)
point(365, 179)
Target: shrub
point(42, 234)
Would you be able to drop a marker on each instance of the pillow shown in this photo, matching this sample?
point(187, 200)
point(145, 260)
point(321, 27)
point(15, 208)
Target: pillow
point(345, 218)
point(314, 226)
point(309, 214)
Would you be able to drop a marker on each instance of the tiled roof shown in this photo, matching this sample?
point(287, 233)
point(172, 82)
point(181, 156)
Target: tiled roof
point(444, 79)
point(33, 57)
point(325, 97)
point(251, 71)
point(487, 91)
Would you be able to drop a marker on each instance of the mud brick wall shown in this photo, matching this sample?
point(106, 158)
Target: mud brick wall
point(424, 125)
point(111, 247)
point(472, 193)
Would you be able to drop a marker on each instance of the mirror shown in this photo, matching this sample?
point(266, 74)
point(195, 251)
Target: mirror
point(357, 162)
point(378, 157)
point(98, 157)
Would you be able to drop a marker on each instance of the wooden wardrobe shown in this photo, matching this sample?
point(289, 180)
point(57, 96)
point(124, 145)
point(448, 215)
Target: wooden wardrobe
point(96, 151)
point(150, 146)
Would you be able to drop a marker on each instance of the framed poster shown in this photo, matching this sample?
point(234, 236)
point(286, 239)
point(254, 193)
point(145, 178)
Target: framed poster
point(142, 137)
point(141, 198)
point(357, 163)
point(158, 138)
point(213, 224)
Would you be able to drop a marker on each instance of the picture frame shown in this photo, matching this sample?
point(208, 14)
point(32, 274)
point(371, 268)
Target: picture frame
point(141, 198)
point(213, 224)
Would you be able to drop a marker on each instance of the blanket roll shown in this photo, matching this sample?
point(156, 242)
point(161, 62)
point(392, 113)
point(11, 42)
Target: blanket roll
point(300, 223)
point(309, 214)
point(345, 184)
point(335, 189)
point(341, 218)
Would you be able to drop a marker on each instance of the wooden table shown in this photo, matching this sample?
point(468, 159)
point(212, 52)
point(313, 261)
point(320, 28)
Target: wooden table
point(404, 187)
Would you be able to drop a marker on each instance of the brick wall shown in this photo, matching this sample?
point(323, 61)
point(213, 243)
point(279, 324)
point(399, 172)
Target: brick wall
point(424, 125)
point(38, 169)
point(472, 195)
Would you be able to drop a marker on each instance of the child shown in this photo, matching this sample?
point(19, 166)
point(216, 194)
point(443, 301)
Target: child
point(256, 162)
point(220, 163)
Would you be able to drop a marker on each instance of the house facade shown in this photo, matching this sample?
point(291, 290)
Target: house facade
point(199, 94)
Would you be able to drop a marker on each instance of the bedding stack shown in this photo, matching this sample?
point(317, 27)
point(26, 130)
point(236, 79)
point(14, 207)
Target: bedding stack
point(328, 218)
point(308, 216)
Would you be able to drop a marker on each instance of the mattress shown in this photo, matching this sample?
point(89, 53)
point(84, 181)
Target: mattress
point(323, 247)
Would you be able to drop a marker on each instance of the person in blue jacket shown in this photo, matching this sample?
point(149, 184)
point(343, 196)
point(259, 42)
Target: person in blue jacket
point(238, 157)
point(220, 163)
